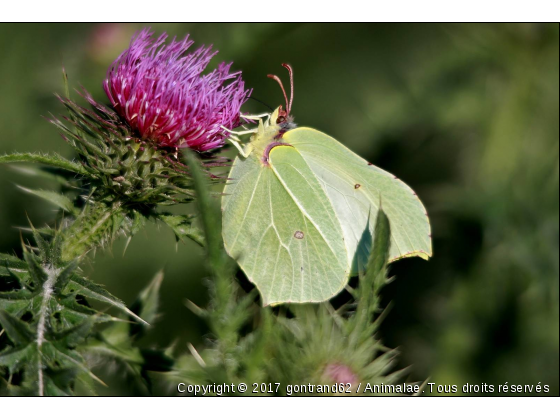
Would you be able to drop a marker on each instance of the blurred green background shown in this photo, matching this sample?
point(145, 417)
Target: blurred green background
point(467, 115)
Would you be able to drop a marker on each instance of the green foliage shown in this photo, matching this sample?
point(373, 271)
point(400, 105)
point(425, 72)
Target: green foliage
point(98, 225)
point(182, 226)
point(51, 338)
point(45, 315)
point(53, 160)
point(117, 345)
point(59, 200)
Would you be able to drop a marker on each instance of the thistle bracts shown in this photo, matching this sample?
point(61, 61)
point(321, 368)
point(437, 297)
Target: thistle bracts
point(119, 166)
point(123, 178)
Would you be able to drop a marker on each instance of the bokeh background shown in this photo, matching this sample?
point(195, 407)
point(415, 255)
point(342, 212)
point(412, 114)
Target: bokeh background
point(467, 115)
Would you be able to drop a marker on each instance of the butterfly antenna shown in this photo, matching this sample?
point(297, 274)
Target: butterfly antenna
point(291, 71)
point(261, 102)
point(273, 76)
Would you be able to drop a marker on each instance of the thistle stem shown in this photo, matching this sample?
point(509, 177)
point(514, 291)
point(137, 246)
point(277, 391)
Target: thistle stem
point(95, 226)
point(48, 288)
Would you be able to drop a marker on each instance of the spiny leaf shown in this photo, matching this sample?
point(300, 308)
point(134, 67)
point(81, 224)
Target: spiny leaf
point(373, 280)
point(17, 330)
point(182, 226)
point(138, 222)
point(65, 275)
point(211, 217)
point(10, 263)
point(146, 306)
point(62, 177)
point(43, 349)
point(74, 335)
point(52, 160)
point(71, 358)
point(92, 290)
point(117, 341)
point(16, 358)
point(57, 199)
point(35, 269)
point(57, 383)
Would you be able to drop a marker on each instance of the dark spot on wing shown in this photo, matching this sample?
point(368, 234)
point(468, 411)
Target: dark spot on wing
point(298, 234)
point(370, 164)
point(357, 186)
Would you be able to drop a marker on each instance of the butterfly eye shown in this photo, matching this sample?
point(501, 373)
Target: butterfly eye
point(280, 119)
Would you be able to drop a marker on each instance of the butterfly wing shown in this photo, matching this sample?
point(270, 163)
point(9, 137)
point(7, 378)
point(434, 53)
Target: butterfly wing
point(280, 226)
point(356, 189)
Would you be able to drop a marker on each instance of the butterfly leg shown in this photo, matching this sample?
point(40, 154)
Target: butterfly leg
point(256, 117)
point(259, 118)
point(236, 142)
point(239, 133)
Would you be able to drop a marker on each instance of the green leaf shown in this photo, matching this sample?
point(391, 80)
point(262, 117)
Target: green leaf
point(36, 270)
point(74, 335)
point(182, 226)
point(11, 263)
point(17, 330)
point(360, 325)
point(52, 160)
point(57, 199)
point(138, 222)
point(97, 224)
point(211, 218)
point(93, 291)
point(15, 302)
point(46, 348)
point(146, 306)
point(17, 358)
point(375, 272)
point(62, 177)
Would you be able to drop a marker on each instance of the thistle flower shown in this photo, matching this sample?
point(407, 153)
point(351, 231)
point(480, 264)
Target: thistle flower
point(162, 94)
point(339, 373)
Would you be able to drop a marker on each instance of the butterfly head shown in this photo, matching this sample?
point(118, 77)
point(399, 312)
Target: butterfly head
point(281, 116)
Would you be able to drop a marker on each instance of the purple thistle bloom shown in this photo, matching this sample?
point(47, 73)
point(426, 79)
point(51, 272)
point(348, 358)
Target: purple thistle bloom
point(162, 94)
point(339, 373)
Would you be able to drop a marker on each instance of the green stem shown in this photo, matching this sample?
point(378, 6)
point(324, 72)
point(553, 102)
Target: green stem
point(48, 289)
point(95, 226)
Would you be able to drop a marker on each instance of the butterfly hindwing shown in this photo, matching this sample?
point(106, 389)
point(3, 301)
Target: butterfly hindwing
point(356, 188)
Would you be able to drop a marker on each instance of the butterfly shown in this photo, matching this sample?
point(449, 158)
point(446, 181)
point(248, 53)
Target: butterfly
point(299, 210)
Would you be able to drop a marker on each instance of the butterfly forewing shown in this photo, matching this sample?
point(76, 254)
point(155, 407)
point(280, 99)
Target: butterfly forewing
point(281, 227)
